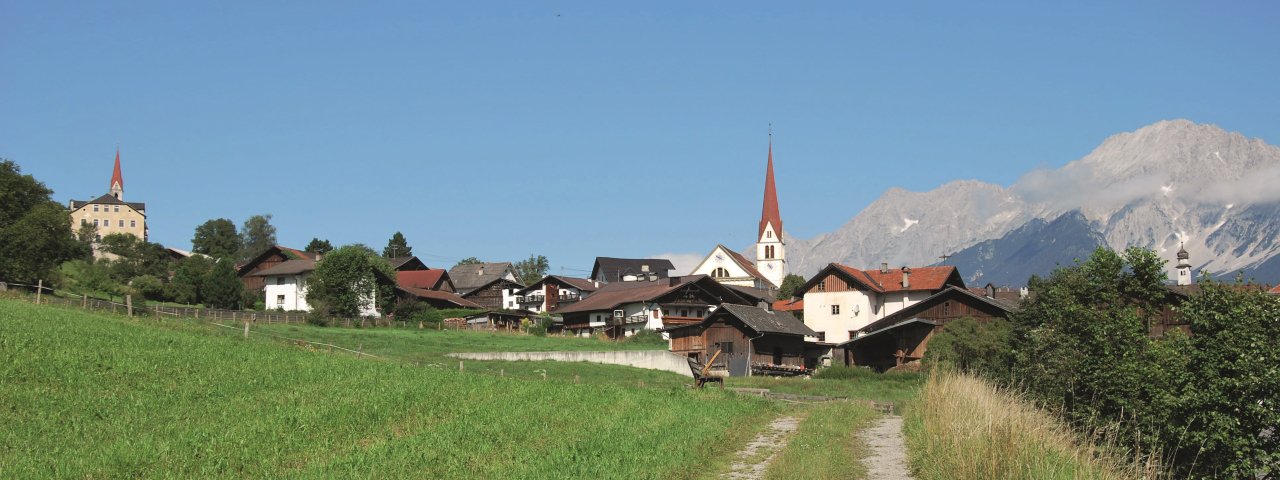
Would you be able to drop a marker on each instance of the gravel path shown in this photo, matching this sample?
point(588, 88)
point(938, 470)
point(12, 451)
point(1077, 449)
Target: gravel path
point(888, 459)
point(755, 457)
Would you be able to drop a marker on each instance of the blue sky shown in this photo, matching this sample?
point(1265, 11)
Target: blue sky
point(573, 130)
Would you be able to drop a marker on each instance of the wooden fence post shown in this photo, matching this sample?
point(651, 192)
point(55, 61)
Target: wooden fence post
point(359, 350)
point(128, 304)
point(246, 329)
point(460, 367)
point(84, 302)
point(39, 290)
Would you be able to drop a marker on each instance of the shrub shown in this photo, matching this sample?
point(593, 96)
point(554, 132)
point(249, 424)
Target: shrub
point(971, 345)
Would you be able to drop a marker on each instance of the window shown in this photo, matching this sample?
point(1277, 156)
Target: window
point(725, 347)
point(133, 223)
point(720, 272)
point(822, 336)
point(768, 234)
point(853, 334)
point(822, 286)
point(946, 308)
point(684, 313)
point(768, 251)
point(122, 223)
point(84, 221)
point(835, 309)
point(95, 222)
point(280, 301)
point(95, 208)
point(117, 210)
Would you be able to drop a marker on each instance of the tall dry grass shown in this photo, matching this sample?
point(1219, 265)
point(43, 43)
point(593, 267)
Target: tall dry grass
point(964, 427)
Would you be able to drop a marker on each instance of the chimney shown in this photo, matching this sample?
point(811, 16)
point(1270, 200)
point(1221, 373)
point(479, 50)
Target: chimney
point(480, 271)
point(991, 290)
point(644, 268)
point(884, 267)
point(906, 277)
point(1023, 292)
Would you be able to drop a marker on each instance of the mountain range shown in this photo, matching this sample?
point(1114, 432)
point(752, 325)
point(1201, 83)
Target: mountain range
point(1174, 184)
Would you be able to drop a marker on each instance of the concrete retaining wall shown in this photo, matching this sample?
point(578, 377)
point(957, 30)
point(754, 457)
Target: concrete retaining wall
point(651, 359)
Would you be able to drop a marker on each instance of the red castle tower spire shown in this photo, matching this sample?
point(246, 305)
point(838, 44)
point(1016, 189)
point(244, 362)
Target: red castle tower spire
point(769, 214)
point(117, 180)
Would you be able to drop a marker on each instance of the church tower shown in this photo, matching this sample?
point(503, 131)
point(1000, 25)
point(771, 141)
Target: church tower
point(771, 255)
point(1184, 266)
point(117, 181)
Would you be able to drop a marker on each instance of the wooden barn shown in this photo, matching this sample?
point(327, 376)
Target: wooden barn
point(751, 341)
point(903, 336)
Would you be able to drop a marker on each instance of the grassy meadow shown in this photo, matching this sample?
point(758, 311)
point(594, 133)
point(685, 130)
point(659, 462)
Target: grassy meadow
point(964, 427)
point(826, 446)
point(93, 396)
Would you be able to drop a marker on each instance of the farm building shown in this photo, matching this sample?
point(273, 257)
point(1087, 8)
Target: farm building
point(552, 291)
point(751, 341)
point(624, 308)
point(903, 336)
point(841, 300)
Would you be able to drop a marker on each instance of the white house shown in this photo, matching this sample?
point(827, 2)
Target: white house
point(840, 300)
point(286, 287)
point(731, 268)
point(553, 291)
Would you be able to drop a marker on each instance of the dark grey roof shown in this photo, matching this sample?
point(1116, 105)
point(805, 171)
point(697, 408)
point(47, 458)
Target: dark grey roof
point(757, 294)
point(287, 267)
point(411, 262)
point(472, 276)
point(109, 199)
point(860, 338)
point(766, 321)
point(609, 269)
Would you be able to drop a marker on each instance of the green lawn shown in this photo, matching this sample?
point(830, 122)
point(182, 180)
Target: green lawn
point(896, 388)
point(92, 396)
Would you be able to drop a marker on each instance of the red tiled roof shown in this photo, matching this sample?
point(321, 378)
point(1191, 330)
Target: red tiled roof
point(770, 214)
point(424, 279)
point(116, 178)
point(1275, 290)
point(922, 278)
point(438, 295)
point(793, 305)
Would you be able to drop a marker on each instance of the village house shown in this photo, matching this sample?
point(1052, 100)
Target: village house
point(840, 300)
point(751, 341)
point(903, 336)
point(110, 213)
point(407, 264)
point(269, 258)
point(285, 287)
point(609, 269)
point(491, 285)
point(431, 286)
point(554, 291)
point(624, 308)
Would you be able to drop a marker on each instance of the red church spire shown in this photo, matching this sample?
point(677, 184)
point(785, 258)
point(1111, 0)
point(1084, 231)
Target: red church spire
point(770, 215)
point(117, 180)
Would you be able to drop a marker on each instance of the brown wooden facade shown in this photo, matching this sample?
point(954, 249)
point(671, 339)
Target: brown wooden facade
point(269, 258)
point(490, 295)
point(904, 336)
point(742, 348)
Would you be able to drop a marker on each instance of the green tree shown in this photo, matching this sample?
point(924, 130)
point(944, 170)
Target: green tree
point(319, 246)
point(221, 287)
point(87, 277)
point(257, 235)
point(188, 279)
point(973, 346)
point(346, 281)
point(468, 261)
point(790, 284)
point(1226, 384)
point(397, 247)
point(216, 238)
point(35, 231)
point(134, 257)
point(532, 269)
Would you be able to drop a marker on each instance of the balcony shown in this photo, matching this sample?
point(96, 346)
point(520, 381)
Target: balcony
point(628, 320)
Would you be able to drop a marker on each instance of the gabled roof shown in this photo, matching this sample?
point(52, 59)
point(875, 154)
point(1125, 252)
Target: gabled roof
point(109, 199)
point(581, 284)
point(288, 267)
point(609, 269)
point(792, 305)
point(756, 318)
point(1275, 290)
point(407, 263)
point(770, 214)
point(921, 278)
point(754, 294)
point(610, 296)
point(289, 253)
point(950, 293)
point(473, 291)
point(472, 276)
point(424, 279)
point(865, 337)
point(440, 296)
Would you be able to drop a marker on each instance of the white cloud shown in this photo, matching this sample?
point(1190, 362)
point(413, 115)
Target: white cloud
point(684, 262)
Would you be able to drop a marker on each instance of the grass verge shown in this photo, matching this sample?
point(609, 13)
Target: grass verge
point(98, 396)
point(963, 427)
point(826, 446)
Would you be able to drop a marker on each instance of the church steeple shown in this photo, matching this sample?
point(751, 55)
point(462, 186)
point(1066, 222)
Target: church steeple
point(117, 180)
point(771, 257)
point(1184, 266)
